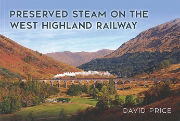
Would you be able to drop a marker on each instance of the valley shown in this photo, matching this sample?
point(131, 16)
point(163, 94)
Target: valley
point(142, 73)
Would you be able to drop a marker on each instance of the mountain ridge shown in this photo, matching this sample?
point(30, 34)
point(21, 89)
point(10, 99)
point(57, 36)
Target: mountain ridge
point(151, 50)
point(78, 58)
point(26, 62)
point(164, 37)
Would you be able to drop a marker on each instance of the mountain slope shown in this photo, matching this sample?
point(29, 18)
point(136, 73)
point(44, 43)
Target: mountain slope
point(165, 37)
point(172, 71)
point(131, 64)
point(151, 50)
point(116, 113)
point(17, 59)
point(78, 58)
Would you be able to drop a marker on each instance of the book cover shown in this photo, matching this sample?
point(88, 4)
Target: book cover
point(93, 60)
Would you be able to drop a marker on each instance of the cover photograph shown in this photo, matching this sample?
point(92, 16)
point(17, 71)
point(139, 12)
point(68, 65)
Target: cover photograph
point(89, 60)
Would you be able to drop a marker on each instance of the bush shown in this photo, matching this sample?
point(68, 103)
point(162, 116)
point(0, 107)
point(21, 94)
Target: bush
point(118, 101)
point(84, 88)
point(93, 92)
point(103, 104)
point(10, 104)
point(99, 86)
point(130, 101)
point(157, 92)
point(74, 90)
point(30, 93)
point(104, 98)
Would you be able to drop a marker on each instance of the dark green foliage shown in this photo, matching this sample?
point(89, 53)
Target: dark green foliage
point(36, 91)
point(103, 94)
point(84, 88)
point(99, 86)
point(103, 104)
point(8, 74)
point(120, 101)
point(76, 90)
point(117, 101)
point(93, 92)
point(63, 100)
point(157, 92)
point(134, 63)
point(129, 101)
point(15, 95)
point(111, 87)
point(96, 90)
point(10, 104)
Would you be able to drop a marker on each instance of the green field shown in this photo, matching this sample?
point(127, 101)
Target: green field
point(80, 100)
point(51, 111)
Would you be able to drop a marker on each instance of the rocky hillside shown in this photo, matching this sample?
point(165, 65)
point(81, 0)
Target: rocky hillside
point(78, 58)
point(151, 50)
point(18, 61)
point(165, 37)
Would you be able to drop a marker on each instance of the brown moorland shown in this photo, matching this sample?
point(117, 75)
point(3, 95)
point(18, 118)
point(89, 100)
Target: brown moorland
point(173, 71)
point(26, 62)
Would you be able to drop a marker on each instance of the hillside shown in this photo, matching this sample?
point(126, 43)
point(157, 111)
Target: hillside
point(165, 37)
point(78, 58)
point(173, 71)
point(117, 114)
point(150, 51)
point(132, 64)
point(16, 61)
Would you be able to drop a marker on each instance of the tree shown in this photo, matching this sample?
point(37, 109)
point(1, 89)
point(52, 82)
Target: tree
point(93, 92)
point(118, 101)
point(99, 86)
point(102, 104)
point(130, 101)
point(74, 90)
point(157, 92)
point(104, 99)
point(84, 88)
point(29, 93)
point(10, 104)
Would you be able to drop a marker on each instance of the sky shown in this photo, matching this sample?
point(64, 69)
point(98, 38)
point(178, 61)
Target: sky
point(46, 41)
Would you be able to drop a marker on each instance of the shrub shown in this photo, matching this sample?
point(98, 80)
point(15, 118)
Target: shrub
point(93, 92)
point(157, 92)
point(29, 93)
point(74, 90)
point(117, 101)
point(10, 104)
point(103, 104)
point(84, 88)
point(130, 101)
